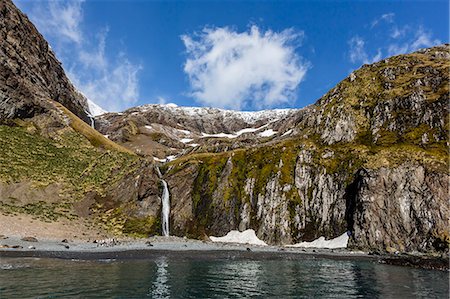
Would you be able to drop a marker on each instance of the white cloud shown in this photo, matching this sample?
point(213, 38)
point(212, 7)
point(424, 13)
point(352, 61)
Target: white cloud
point(387, 17)
point(423, 38)
point(109, 80)
point(162, 100)
point(395, 49)
point(115, 88)
point(394, 41)
point(59, 18)
point(398, 32)
point(358, 53)
point(419, 39)
point(95, 57)
point(249, 69)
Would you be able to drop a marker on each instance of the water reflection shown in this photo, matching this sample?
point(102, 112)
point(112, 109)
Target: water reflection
point(160, 287)
point(166, 277)
point(335, 277)
point(236, 278)
point(365, 284)
point(413, 283)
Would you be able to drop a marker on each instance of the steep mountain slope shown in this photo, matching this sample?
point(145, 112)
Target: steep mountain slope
point(30, 74)
point(370, 157)
point(166, 131)
point(53, 164)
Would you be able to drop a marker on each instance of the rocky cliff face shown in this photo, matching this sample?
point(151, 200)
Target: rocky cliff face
point(405, 207)
point(29, 72)
point(369, 158)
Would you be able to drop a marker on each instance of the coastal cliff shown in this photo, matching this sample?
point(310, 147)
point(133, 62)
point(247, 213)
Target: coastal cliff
point(369, 158)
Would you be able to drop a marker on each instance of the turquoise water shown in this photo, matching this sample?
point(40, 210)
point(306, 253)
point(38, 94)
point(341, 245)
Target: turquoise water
point(182, 277)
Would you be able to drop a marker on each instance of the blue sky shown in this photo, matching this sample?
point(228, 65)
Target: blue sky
point(246, 55)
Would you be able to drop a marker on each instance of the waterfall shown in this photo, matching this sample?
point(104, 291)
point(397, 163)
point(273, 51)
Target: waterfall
point(165, 209)
point(165, 205)
point(92, 122)
point(91, 117)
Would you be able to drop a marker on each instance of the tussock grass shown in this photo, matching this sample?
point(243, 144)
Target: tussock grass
point(94, 137)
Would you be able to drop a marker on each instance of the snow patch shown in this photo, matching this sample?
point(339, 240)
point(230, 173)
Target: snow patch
point(170, 158)
point(287, 133)
point(166, 159)
point(219, 135)
point(186, 140)
point(246, 130)
point(94, 109)
point(246, 237)
point(267, 133)
point(250, 130)
point(339, 242)
point(193, 144)
point(250, 117)
point(148, 127)
point(236, 134)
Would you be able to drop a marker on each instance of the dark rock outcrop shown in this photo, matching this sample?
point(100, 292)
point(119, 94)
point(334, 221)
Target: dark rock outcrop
point(30, 74)
point(405, 208)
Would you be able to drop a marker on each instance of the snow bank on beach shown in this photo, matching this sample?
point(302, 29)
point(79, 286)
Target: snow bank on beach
point(246, 237)
point(339, 242)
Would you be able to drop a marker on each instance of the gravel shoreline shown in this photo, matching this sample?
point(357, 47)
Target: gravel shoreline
point(181, 248)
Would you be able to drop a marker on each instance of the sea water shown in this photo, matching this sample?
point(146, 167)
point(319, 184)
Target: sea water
point(188, 277)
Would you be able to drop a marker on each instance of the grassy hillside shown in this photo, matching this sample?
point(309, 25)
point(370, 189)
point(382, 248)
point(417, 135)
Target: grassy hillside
point(70, 161)
point(94, 137)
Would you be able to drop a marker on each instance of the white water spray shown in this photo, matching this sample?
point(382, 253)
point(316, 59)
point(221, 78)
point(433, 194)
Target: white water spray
point(91, 117)
point(165, 209)
point(92, 122)
point(165, 206)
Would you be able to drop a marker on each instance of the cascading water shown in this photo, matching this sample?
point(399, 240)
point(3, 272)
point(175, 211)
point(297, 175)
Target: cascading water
point(92, 122)
point(165, 209)
point(165, 205)
point(91, 117)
